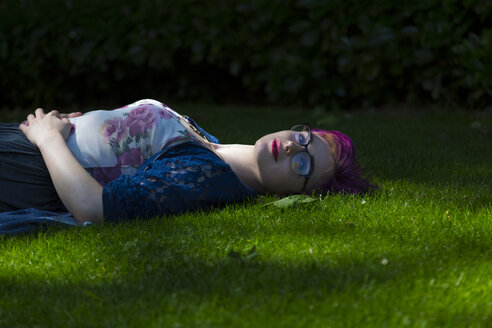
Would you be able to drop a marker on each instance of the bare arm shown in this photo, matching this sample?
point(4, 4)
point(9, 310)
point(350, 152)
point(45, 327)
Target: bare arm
point(80, 193)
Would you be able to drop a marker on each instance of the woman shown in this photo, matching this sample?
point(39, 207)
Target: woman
point(144, 160)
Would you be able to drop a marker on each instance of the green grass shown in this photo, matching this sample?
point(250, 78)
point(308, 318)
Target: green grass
point(416, 253)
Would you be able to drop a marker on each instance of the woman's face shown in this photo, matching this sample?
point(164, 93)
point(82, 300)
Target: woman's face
point(274, 157)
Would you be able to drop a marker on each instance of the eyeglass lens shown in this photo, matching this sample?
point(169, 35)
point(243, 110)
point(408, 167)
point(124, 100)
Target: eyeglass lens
point(301, 134)
point(301, 161)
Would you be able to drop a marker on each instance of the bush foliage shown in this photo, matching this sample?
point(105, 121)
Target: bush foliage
point(329, 53)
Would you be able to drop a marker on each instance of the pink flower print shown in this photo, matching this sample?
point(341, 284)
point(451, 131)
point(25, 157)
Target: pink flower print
point(133, 157)
point(114, 128)
point(140, 119)
point(104, 175)
point(165, 115)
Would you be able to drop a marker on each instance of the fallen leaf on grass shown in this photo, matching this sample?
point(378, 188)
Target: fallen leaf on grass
point(251, 254)
point(292, 201)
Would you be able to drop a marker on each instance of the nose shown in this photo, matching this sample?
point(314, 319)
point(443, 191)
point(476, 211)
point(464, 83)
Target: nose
point(291, 147)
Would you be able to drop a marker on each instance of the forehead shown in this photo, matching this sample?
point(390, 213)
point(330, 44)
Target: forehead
point(322, 152)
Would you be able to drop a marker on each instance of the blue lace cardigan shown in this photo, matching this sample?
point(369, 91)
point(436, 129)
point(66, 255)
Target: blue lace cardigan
point(179, 178)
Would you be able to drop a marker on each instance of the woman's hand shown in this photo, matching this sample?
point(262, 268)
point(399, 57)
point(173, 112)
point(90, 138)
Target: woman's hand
point(40, 127)
point(69, 115)
point(78, 190)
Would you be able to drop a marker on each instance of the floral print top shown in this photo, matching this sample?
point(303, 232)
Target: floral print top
point(116, 142)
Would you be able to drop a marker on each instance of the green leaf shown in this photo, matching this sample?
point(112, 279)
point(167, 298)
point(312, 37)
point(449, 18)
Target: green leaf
point(250, 255)
point(292, 201)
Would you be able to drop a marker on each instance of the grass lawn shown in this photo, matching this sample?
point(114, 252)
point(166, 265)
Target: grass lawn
point(416, 253)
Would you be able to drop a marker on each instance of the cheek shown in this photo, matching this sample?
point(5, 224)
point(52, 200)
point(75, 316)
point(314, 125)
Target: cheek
point(263, 155)
point(280, 179)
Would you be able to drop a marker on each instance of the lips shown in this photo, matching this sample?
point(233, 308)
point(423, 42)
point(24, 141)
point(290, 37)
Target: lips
point(275, 147)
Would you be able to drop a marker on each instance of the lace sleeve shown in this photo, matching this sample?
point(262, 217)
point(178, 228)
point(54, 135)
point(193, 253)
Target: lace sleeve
point(183, 181)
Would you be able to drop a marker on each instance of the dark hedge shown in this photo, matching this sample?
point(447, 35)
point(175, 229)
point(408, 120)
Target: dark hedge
point(331, 53)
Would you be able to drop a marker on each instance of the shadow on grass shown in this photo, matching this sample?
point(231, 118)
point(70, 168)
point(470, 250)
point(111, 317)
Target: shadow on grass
point(163, 275)
point(434, 154)
point(157, 278)
point(425, 149)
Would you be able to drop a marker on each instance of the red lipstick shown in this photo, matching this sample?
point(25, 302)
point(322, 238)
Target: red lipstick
point(275, 149)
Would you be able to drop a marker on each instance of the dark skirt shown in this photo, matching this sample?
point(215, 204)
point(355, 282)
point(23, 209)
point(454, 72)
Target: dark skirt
point(24, 179)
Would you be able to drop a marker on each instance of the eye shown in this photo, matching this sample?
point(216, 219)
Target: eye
point(301, 163)
point(300, 137)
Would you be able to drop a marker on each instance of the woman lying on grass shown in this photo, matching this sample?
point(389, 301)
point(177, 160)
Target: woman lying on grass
point(144, 160)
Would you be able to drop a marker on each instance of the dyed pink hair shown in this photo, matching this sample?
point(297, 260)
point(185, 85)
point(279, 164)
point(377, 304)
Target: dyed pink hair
point(348, 175)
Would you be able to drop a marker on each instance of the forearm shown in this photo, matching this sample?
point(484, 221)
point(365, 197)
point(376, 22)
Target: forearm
point(80, 193)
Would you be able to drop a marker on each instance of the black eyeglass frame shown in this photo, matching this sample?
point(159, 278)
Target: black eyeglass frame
point(305, 150)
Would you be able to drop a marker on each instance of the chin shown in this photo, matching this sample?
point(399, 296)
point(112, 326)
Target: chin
point(262, 141)
point(261, 148)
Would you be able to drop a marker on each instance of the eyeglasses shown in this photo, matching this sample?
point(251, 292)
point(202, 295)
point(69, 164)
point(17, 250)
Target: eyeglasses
point(302, 162)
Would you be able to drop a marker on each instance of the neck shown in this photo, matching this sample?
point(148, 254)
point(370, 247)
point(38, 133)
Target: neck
point(242, 160)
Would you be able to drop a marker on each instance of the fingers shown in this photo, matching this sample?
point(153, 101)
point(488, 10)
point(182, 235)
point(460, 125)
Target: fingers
point(30, 118)
point(71, 115)
point(39, 112)
point(74, 114)
point(24, 125)
point(54, 113)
